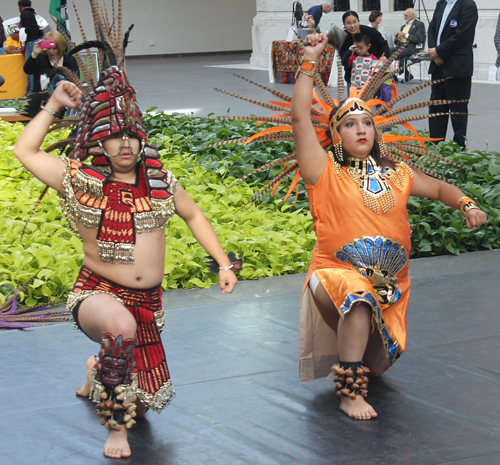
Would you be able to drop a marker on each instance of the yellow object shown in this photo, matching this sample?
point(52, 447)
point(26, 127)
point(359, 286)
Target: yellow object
point(16, 80)
point(11, 41)
point(406, 30)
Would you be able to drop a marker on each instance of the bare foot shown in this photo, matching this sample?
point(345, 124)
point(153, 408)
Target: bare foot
point(141, 409)
point(357, 408)
point(116, 445)
point(84, 391)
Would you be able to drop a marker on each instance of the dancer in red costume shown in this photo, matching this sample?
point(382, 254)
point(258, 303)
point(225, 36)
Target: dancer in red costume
point(119, 204)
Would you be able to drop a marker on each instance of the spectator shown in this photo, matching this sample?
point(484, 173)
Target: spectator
point(41, 63)
point(411, 34)
point(375, 19)
point(13, 44)
point(317, 12)
point(33, 33)
point(352, 27)
point(361, 62)
point(451, 36)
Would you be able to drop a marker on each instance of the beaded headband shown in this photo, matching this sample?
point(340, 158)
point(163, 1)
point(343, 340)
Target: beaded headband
point(352, 106)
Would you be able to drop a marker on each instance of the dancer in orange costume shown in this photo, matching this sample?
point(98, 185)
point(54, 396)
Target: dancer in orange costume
point(355, 299)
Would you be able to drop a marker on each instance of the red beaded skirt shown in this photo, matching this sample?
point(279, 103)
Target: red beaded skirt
point(153, 378)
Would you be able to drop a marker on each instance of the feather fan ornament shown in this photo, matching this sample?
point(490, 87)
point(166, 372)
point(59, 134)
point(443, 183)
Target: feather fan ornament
point(14, 317)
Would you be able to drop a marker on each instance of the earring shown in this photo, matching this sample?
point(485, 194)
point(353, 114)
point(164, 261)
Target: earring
point(383, 149)
point(339, 155)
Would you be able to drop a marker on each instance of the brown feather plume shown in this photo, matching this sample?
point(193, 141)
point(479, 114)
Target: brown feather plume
point(61, 143)
point(269, 186)
point(277, 137)
point(380, 76)
point(271, 164)
point(340, 77)
point(269, 119)
point(412, 91)
point(407, 119)
point(404, 153)
point(323, 90)
point(416, 106)
point(42, 195)
point(256, 102)
point(275, 92)
point(71, 76)
point(89, 77)
point(427, 153)
point(424, 170)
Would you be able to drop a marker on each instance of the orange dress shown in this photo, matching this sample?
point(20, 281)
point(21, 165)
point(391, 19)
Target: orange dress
point(361, 254)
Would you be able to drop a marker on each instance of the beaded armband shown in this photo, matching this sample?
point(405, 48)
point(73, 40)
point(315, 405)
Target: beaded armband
point(466, 204)
point(307, 67)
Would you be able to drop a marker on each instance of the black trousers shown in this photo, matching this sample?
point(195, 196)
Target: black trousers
point(451, 89)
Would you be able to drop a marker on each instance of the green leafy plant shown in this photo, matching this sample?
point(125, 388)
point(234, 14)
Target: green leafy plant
point(13, 103)
point(274, 237)
point(273, 241)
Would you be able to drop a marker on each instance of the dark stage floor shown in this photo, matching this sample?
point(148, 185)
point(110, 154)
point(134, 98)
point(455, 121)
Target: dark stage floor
point(239, 399)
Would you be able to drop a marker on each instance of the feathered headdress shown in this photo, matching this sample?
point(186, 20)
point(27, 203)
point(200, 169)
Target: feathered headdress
point(327, 114)
point(110, 105)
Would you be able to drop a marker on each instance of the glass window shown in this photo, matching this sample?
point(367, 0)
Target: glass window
point(341, 5)
point(370, 5)
point(402, 5)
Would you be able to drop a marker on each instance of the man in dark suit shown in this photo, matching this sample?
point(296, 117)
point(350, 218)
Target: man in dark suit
point(451, 36)
point(412, 34)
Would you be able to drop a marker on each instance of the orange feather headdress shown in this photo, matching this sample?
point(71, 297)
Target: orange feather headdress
point(327, 114)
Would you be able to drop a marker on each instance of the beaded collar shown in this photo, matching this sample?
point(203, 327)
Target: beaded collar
point(373, 181)
point(119, 211)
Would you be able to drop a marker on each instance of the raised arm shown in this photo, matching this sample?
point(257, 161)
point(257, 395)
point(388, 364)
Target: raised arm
point(425, 186)
point(311, 156)
point(204, 233)
point(47, 168)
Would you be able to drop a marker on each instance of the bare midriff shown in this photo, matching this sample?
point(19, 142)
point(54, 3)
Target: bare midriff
point(149, 259)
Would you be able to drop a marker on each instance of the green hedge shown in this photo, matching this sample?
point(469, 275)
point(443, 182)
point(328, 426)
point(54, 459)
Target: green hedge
point(273, 242)
point(275, 238)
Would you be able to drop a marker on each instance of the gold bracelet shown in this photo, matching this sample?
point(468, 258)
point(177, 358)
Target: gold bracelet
point(51, 111)
point(307, 67)
point(467, 204)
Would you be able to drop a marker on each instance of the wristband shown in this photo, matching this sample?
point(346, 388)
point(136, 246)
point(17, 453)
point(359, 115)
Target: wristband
point(236, 264)
point(51, 111)
point(226, 268)
point(467, 204)
point(307, 67)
